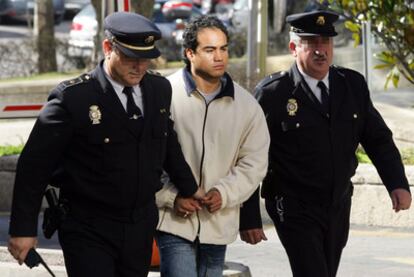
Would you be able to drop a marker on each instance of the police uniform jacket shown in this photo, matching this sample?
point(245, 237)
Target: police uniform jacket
point(312, 154)
point(107, 166)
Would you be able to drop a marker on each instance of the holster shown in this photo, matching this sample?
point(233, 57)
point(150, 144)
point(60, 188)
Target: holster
point(53, 215)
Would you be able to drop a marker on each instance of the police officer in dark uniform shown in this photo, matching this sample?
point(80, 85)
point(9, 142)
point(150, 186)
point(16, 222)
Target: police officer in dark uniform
point(109, 135)
point(317, 115)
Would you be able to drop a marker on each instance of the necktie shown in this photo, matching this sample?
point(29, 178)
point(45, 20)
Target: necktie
point(324, 96)
point(132, 109)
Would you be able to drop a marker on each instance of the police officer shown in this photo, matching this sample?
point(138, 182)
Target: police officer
point(109, 135)
point(317, 115)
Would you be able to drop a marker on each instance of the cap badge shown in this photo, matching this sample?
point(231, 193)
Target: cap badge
point(321, 20)
point(95, 114)
point(149, 39)
point(292, 107)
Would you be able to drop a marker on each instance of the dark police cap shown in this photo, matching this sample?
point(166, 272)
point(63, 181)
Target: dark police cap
point(133, 34)
point(314, 23)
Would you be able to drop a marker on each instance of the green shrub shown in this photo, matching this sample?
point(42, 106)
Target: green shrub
point(407, 156)
point(10, 149)
point(362, 156)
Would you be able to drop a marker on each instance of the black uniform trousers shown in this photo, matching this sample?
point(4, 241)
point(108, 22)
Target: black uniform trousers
point(120, 249)
point(313, 235)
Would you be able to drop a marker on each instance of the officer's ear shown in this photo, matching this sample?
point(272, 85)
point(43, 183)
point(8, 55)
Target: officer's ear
point(292, 47)
point(107, 47)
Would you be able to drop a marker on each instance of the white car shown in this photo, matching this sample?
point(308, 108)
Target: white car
point(83, 29)
point(72, 7)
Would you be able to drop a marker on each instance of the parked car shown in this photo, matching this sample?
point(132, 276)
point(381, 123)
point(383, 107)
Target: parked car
point(72, 7)
point(84, 28)
point(23, 10)
point(3, 8)
point(171, 24)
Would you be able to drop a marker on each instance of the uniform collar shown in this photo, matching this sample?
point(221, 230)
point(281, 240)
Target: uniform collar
point(116, 85)
point(227, 87)
point(312, 82)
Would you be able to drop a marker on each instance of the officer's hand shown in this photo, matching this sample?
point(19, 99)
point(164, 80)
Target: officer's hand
point(19, 246)
point(212, 200)
point(253, 236)
point(185, 207)
point(401, 199)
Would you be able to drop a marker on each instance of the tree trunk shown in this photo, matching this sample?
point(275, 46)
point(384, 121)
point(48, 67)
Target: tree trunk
point(97, 51)
point(143, 7)
point(46, 46)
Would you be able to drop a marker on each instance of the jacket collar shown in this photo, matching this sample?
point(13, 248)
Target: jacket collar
point(227, 87)
point(108, 95)
point(302, 90)
point(300, 83)
point(337, 87)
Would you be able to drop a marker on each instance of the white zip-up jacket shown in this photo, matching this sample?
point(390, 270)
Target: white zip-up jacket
point(226, 144)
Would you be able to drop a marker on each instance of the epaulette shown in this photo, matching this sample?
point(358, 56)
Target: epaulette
point(346, 71)
point(153, 72)
point(338, 66)
point(78, 80)
point(269, 79)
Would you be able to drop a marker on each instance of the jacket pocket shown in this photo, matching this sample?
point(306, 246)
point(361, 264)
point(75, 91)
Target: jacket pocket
point(110, 148)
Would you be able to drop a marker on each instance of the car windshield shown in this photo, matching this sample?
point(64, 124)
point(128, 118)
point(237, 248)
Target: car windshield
point(87, 11)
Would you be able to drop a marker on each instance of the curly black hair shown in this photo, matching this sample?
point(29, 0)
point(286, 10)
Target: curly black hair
point(195, 26)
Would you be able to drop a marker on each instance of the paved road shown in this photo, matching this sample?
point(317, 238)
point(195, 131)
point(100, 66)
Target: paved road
point(371, 251)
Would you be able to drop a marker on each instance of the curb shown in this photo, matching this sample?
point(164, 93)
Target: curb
point(37, 91)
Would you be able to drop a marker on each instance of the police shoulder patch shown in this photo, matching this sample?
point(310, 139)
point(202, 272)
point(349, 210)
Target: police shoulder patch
point(270, 79)
point(153, 72)
point(78, 80)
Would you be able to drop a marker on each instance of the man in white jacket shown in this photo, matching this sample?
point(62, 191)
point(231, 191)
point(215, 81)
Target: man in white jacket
point(224, 137)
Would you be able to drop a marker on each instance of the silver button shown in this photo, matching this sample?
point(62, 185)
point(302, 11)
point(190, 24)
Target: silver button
point(106, 140)
point(355, 115)
point(297, 125)
point(165, 133)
